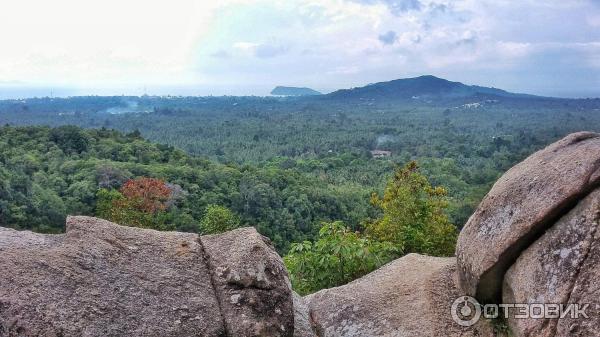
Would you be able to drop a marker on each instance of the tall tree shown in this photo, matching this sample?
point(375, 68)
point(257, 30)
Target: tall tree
point(413, 215)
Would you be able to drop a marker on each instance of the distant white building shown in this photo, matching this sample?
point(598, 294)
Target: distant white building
point(380, 153)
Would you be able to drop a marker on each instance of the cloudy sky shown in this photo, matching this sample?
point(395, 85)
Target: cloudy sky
point(549, 47)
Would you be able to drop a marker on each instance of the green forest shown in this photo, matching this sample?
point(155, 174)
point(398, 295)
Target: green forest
point(300, 170)
point(327, 141)
point(48, 173)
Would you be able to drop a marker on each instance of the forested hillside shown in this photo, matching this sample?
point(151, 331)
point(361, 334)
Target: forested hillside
point(341, 183)
point(47, 173)
point(463, 140)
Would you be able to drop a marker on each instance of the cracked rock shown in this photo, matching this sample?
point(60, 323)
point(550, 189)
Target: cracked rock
point(247, 267)
point(90, 282)
point(522, 204)
point(547, 271)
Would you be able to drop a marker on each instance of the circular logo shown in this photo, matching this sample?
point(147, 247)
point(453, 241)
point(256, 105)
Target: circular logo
point(466, 311)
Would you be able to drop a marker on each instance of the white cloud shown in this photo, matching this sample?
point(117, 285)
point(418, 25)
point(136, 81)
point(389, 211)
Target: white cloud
point(99, 41)
point(513, 49)
point(321, 43)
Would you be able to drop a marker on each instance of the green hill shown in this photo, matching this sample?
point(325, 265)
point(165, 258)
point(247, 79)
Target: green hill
point(294, 91)
point(426, 86)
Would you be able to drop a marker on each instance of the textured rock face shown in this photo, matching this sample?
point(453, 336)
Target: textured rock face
point(523, 203)
point(411, 296)
point(547, 271)
point(302, 321)
point(585, 290)
point(101, 279)
point(251, 283)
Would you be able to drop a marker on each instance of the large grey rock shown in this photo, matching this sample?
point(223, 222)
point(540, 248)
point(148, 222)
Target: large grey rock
point(547, 271)
point(102, 279)
point(411, 296)
point(522, 204)
point(251, 282)
point(586, 291)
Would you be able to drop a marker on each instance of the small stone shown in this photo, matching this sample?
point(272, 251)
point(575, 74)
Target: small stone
point(235, 299)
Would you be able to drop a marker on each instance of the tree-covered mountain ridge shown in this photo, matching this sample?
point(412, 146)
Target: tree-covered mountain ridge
point(296, 161)
point(426, 86)
point(293, 91)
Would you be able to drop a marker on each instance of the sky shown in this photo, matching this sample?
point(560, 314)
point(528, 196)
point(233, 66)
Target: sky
point(246, 47)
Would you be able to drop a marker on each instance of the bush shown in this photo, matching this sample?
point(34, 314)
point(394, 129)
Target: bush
point(218, 219)
point(337, 257)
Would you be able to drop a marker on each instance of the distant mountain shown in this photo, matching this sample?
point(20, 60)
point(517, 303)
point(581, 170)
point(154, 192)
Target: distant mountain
point(294, 91)
point(422, 87)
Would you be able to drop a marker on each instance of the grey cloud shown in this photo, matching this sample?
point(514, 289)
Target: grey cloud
point(397, 7)
point(467, 41)
point(469, 38)
point(269, 50)
point(221, 54)
point(400, 6)
point(388, 38)
point(438, 8)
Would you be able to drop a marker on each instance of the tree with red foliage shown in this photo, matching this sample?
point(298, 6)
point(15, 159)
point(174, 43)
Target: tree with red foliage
point(148, 195)
point(140, 202)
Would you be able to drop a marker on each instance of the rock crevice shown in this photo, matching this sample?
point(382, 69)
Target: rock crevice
point(251, 284)
point(489, 289)
point(525, 202)
point(205, 259)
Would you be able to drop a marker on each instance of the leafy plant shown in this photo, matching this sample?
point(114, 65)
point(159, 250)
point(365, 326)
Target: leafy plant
point(338, 256)
point(218, 219)
point(413, 220)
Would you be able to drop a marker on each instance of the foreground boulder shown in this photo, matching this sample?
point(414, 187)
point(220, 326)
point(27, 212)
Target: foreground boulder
point(303, 326)
point(524, 202)
point(251, 284)
point(411, 296)
point(547, 272)
point(102, 279)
